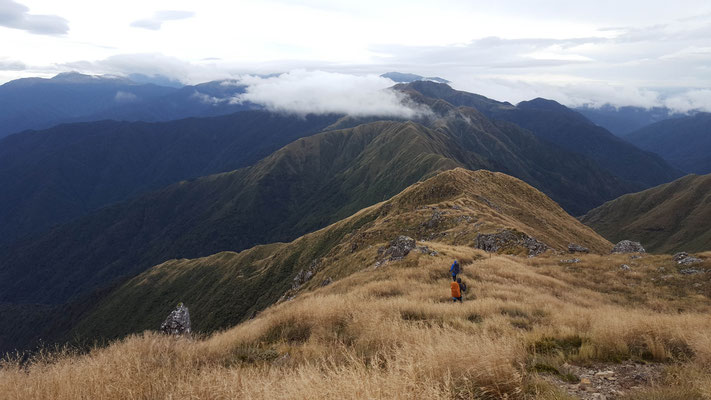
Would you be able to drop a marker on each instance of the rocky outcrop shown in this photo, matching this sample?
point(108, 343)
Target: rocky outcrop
point(399, 248)
point(683, 258)
point(628, 246)
point(178, 322)
point(509, 241)
point(576, 248)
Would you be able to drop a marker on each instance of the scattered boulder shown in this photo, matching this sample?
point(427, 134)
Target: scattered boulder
point(625, 267)
point(399, 247)
point(628, 246)
point(508, 240)
point(178, 322)
point(571, 261)
point(684, 258)
point(327, 281)
point(576, 248)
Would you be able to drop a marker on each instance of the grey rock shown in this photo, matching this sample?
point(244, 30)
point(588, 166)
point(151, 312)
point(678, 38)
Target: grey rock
point(571, 261)
point(178, 322)
point(628, 246)
point(625, 267)
point(327, 281)
point(400, 247)
point(684, 258)
point(576, 248)
point(509, 238)
point(427, 250)
point(305, 275)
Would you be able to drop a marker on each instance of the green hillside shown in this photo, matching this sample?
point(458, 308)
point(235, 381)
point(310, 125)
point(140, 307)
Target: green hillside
point(665, 219)
point(226, 288)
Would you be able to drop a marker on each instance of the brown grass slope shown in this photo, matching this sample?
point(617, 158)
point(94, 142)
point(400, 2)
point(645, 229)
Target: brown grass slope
point(391, 332)
point(672, 217)
point(225, 288)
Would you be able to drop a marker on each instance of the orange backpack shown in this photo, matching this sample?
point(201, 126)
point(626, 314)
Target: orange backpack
point(455, 290)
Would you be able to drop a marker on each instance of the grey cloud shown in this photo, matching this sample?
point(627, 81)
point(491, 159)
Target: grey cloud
point(12, 65)
point(635, 66)
point(159, 17)
point(16, 16)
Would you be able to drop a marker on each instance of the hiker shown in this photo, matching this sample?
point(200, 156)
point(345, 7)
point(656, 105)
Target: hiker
point(456, 291)
point(462, 288)
point(454, 269)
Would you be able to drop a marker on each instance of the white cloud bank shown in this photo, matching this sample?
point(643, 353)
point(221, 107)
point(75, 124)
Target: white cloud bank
point(17, 16)
point(319, 92)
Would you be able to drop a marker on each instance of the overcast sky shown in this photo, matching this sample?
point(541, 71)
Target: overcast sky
point(623, 52)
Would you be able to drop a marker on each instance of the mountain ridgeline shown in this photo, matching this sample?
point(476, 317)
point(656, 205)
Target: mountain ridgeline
point(452, 207)
point(304, 186)
point(563, 127)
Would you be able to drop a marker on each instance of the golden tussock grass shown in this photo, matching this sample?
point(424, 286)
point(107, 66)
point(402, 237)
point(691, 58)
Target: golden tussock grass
point(392, 333)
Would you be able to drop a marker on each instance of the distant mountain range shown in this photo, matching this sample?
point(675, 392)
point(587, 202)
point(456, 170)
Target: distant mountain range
point(53, 176)
point(564, 127)
point(624, 120)
point(683, 142)
point(667, 218)
point(37, 103)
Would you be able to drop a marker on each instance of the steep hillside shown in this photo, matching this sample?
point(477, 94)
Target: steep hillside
point(53, 176)
point(566, 128)
point(624, 120)
point(683, 142)
point(668, 218)
point(453, 207)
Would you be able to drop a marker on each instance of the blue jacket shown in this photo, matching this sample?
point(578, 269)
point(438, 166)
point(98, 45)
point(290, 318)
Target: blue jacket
point(454, 269)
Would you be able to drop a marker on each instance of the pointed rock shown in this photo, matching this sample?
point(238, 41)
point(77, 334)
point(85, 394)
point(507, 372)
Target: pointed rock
point(178, 321)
